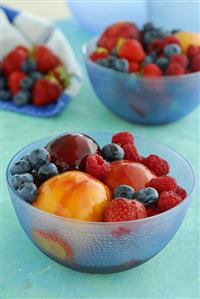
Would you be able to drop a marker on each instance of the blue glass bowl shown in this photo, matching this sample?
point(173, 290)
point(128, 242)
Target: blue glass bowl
point(99, 247)
point(140, 99)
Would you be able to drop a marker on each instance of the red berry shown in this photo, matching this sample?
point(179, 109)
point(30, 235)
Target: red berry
point(122, 209)
point(195, 67)
point(133, 67)
point(175, 69)
point(152, 210)
point(14, 81)
point(97, 166)
point(167, 200)
point(123, 138)
point(171, 39)
point(156, 45)
point(193, 51)
point(157, 165)
point(163, 183)
point(152, 70)
point(13, 60)
point(46, 91)
point(46, 60)
point(131, 152)
point(180, 58)
point(131, 49)
point(181, 192)
point(98, 55)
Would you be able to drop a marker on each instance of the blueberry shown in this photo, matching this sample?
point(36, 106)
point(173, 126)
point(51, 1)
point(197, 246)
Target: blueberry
point(38, 157)
point(147, 195)
point(3, 83)
point(124, 191)
point(35, 75)
point(5, 95)
point(112, 152)
point(149, 36)
point(26, 83)
point(114, 51)
point(172, 49)
point(29, 65)
point(47, 171)
point(121, 65)
point(28, 191)
point(19, 179)
point(147, 60)
point(103, 62)
point(22, 166)
point(175, 31)
point(162, 62)
point(148, 26)
point(153, 55)
point(22, 98)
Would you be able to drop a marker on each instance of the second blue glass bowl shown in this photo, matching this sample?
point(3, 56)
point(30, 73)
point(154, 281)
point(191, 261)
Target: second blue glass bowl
point(151, 101)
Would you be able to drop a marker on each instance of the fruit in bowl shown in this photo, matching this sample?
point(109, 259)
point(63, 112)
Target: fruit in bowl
point(32, 76)
point(151, 52)
point(146, 79)
point(76, 215)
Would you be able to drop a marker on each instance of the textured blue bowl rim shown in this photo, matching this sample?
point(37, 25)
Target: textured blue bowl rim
point(145, 78)
point(95, 223)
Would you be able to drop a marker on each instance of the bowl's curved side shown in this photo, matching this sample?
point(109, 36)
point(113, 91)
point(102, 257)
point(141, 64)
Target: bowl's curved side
point(143, 100)
point(104, 247)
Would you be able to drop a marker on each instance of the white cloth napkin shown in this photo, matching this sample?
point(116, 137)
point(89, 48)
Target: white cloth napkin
point(27, 29)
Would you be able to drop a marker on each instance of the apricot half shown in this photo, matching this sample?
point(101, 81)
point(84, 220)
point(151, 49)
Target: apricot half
point(73, 194)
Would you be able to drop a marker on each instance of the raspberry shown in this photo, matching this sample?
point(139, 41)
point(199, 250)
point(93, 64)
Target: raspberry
point(181, 59)
point(168, 200)
point(131, 153)
point(152, 70)
point(171, 39)
point(156, 45)
point(163, 183)
point(121, 209)
point(181, 192)
point(123, 138)
point(193, 51)
point(175, 69)
point(97, 166)
point(152, 210)
point(195, 67)
point(134, 67)
point(157, 165)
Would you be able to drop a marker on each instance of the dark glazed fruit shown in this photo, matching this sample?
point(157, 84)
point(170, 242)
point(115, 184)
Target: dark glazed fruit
point(69, 151)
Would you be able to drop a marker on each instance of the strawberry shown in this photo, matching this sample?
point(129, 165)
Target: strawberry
point(46, 91)
point(14, 81)
point(130, 49)
point(99, 53)
point(112, 33)
point(122, 209)
point(46, 60)
point(61, 74)
point(13, 60)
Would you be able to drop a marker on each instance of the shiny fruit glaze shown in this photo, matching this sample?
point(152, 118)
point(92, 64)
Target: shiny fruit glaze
point(128, 173)
point(73, 194)
point(69, 151)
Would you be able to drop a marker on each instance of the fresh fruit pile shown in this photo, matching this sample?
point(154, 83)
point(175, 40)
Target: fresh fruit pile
point(32, 76)
point(151, 51)
point(73, 177)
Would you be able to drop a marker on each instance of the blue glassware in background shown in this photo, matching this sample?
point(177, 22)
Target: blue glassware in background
point(95, 16)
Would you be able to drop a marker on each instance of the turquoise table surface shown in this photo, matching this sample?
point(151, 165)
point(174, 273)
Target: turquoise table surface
point(27, 273)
